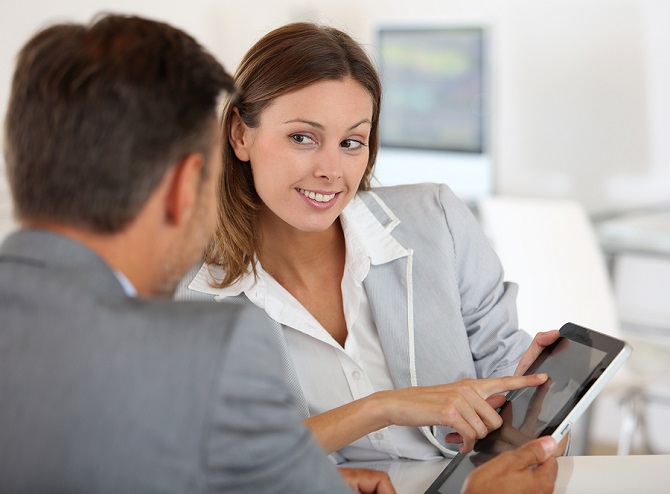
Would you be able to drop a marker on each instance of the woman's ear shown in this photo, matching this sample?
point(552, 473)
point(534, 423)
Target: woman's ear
point(239, 136)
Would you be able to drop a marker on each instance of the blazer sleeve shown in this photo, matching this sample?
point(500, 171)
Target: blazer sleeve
point(488, 303)
point(256, 441)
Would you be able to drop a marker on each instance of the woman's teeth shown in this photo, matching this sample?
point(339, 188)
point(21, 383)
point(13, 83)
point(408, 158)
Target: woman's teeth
point(316, 196)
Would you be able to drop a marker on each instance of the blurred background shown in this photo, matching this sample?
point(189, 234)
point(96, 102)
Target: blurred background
point(561, 102)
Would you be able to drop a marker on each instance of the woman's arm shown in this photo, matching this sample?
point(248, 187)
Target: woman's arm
point(341, 426)
point(461, 405)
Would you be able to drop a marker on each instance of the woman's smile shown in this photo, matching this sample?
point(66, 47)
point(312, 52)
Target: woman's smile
point(319, 200)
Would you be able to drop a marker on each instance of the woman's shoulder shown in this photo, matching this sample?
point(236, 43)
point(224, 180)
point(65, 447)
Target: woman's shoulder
point(413, 197)
point(418, 207)
point(405, 190)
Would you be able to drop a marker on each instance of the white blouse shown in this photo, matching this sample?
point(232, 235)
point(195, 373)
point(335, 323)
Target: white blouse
point(330, 375)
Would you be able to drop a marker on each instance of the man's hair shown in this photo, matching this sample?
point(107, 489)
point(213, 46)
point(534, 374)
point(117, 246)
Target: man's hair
point(99, 113)
point(286, 59)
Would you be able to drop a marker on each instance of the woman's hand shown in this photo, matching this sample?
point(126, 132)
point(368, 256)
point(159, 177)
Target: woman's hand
point(467, 406)
point(538, 344)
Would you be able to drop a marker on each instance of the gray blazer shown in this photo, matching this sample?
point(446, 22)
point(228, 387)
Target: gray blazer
point(101, 393)
point(442, 310)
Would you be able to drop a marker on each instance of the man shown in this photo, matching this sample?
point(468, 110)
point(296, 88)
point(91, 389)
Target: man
point(106, 384)
point(112, 158)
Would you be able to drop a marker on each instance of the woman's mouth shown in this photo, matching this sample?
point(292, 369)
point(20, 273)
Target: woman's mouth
point(317, 196)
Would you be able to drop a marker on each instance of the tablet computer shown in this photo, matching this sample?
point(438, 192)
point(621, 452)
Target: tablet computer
point(578, 364)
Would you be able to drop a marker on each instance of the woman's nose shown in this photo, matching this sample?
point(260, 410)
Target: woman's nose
point(328, 165)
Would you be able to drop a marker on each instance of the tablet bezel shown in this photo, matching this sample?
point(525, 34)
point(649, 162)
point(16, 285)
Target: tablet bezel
point(616, 351)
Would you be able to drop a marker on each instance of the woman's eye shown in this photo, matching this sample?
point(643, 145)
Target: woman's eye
point(302, 139)
point(351, 144)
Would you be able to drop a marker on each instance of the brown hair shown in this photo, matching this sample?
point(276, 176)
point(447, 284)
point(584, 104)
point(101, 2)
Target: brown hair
point(285, 60)
point(99, 113)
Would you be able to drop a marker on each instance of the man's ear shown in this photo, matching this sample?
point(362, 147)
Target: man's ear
point(238, 136)
point(183, 189)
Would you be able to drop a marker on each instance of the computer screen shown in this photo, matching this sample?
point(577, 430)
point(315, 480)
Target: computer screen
point(434, 84)
point(434, 118)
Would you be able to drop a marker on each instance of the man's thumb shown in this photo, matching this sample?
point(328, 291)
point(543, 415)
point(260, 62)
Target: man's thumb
point(536, 451)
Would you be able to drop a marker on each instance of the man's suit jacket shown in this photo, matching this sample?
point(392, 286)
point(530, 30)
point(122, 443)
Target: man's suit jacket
point(100, 392)
point(441, 306)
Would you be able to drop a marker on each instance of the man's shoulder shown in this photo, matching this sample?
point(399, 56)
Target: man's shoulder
point(184, 316)
point(200, 310)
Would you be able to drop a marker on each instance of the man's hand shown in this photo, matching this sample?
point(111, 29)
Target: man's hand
point(367, 481)
point(511, 472)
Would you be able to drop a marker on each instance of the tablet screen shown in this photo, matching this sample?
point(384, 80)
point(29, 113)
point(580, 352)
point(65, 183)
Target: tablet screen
point(573, 365)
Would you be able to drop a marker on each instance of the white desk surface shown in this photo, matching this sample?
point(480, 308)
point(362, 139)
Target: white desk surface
point(639, 474)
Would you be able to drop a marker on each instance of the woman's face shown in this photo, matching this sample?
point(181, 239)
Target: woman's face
point(309, 152)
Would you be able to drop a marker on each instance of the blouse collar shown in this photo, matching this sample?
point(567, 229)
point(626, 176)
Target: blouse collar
point(366, 236)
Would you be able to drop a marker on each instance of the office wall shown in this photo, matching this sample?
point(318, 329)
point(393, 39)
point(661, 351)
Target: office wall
point(579, 101)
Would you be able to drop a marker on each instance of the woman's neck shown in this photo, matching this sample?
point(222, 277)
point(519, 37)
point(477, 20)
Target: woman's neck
point(293, 256)
point(309, 265)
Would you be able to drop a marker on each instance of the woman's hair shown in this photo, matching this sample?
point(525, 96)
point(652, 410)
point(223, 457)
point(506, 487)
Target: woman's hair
point(285, 60)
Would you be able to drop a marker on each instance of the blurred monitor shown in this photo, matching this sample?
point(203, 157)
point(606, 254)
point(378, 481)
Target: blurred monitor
point(434, 119)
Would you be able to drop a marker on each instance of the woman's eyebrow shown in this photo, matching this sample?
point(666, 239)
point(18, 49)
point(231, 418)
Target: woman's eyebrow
point(319, 126)
point(365, 120)
point(308, 122)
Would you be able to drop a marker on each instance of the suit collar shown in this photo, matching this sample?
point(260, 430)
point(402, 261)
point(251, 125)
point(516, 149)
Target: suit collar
point(49, 250)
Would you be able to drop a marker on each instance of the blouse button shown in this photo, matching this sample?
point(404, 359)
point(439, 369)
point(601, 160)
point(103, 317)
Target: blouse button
point(356, 375)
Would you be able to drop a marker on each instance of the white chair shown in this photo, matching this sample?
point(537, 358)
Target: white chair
point(642, 290)
point(549, 247)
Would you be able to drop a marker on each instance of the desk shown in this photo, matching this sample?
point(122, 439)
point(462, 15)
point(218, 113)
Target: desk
point(576, 474)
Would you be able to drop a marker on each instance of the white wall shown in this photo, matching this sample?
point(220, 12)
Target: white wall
point(580, 101)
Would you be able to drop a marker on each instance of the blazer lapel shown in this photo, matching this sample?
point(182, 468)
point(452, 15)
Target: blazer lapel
point(388, 292)
point(388, 286)
point(290, 374)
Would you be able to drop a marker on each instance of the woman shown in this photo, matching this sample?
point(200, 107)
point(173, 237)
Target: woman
point(389, 304)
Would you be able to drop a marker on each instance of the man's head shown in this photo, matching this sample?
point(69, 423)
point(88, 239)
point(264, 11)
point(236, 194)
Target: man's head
point(99, 115)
